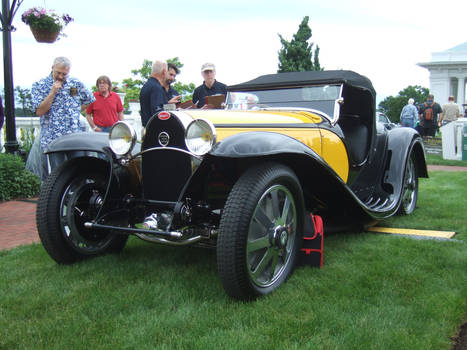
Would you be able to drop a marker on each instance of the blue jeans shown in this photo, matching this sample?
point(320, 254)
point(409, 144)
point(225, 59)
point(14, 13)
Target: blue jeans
point(104, 129)
point(407, 122)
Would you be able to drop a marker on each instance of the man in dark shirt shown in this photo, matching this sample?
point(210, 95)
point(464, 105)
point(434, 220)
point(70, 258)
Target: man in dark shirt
point(153, 96)
point(172, 95)
point(209, 87)
point(428, 127)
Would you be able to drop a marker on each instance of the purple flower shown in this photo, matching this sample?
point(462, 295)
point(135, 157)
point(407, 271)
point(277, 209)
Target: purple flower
point(67, 18)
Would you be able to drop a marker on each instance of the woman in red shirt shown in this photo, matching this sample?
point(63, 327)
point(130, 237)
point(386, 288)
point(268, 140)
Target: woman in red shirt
point(107, 109)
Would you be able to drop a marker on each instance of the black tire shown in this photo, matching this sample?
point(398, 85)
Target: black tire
point(78, 186)
point(258, 244)
point(410, 187)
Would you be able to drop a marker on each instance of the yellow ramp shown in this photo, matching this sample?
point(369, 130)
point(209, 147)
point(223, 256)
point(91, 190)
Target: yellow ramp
point(408, 231)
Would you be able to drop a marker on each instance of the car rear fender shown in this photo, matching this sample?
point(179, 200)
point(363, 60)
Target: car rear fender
point(402, 141)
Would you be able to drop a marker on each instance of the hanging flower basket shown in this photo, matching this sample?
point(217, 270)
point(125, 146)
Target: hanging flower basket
point(44, 36)
point(46, 25)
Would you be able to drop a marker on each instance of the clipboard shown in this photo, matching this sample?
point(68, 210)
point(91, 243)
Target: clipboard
point(215, 101)
point(186, 105)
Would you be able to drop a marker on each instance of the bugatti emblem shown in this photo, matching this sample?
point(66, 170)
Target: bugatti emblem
point(163, 115)
point(163, 139)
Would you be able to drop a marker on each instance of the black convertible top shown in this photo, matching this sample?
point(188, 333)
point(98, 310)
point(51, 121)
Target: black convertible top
point(289, 79)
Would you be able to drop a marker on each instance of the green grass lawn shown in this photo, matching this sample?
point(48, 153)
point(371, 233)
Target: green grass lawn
point(437, 159)
point(375, 291)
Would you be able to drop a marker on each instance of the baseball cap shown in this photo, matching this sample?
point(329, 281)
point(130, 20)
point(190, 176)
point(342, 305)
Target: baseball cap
point(208, 66)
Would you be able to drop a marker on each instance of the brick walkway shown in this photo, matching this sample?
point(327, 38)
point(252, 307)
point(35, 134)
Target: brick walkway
point(18, 217)
point(18, 223)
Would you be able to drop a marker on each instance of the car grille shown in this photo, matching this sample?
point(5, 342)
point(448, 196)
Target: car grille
point(164, 171)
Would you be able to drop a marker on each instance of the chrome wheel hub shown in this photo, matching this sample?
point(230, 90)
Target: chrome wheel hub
point(271, 236)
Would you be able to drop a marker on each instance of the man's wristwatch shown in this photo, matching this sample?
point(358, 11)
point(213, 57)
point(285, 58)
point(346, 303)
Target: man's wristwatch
point(95, 127)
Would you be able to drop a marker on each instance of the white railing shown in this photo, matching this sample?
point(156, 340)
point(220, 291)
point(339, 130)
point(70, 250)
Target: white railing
point(25, 125)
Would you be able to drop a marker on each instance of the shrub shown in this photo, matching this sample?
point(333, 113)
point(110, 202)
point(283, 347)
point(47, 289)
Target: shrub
point(15, 181)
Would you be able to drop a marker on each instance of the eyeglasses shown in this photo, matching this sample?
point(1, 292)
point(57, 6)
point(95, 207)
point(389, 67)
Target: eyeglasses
point(63, 74)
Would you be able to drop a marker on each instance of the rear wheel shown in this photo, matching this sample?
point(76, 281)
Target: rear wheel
point(260, 231)
point(410, 189)
point(71, 196)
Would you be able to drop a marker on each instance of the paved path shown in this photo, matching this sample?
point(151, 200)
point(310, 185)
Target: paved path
point(17, 223)
point(18, 217)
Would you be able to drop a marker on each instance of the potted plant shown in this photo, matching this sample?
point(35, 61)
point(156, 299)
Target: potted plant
point(133, 105)
point(46, 25)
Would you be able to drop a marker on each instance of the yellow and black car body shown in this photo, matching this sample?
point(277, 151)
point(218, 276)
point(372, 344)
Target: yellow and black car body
point(239, 179)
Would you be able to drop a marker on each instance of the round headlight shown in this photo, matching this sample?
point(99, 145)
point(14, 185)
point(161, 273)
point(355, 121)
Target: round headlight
point(122, 138)
point(200, 136)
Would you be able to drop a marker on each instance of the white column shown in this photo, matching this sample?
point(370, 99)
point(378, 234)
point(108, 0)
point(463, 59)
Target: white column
point(460, 90)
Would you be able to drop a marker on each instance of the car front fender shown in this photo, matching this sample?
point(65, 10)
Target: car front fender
point(259, 143)
point(82, 141)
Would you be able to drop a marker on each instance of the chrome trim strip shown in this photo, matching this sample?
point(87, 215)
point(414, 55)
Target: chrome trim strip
point(297, 109)
point(167, 148)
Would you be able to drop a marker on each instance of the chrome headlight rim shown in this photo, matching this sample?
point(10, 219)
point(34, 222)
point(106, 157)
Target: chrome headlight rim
point(129, 131)
point(210, 128)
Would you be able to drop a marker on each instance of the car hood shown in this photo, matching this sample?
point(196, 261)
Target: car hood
point(220, 116)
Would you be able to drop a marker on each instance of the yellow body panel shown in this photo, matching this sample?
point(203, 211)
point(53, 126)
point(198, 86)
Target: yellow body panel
point(335, 154)
point(220, 116)
point(325, 143)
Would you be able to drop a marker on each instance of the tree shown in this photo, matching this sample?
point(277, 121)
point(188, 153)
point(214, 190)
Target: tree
point(392, 105)
point(297, 55)
point(24, 100)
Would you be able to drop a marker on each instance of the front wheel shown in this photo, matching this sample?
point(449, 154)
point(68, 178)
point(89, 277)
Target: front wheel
point(260, 231)
point(410, 187)
point(71, 196)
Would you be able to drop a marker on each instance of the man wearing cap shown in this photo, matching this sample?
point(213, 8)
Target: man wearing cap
point(209, 87)
point(450, 112)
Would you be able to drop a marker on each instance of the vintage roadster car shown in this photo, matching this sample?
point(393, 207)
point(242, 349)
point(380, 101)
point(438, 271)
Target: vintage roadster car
point(240, 179)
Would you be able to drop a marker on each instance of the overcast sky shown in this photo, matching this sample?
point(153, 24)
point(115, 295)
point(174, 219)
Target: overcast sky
point(382, 40)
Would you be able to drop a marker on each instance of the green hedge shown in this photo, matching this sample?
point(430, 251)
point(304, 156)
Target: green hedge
point(15, 181)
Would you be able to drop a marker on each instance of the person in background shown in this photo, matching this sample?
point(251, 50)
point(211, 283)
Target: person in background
point(451, 112)
point(2, 118)
point(209, 87)
point(172, 95)
point(428, 115)
point(107, 109)
point(409, 114)
point(153, 96)
point(58, 100)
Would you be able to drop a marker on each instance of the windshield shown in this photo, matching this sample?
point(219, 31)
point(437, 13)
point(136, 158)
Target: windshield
point(320, 98)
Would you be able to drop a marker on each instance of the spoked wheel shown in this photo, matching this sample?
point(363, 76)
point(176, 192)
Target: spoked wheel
point(410, 189)
point(260, 231)
point(71, 196)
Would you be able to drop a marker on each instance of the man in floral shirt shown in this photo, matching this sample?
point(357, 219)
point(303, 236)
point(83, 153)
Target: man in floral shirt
point(58, 100)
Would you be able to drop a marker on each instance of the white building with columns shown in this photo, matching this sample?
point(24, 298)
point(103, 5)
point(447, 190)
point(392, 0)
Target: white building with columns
point(448, 74)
